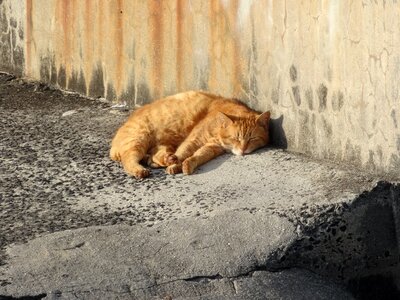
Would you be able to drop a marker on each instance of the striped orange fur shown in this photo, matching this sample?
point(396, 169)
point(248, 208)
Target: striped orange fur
point(184, 131)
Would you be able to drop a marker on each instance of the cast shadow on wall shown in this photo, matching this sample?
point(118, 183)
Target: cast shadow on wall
point(277, 133)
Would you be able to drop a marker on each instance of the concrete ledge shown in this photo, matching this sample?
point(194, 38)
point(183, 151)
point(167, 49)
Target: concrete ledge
point(218, 257)
point(72, 223)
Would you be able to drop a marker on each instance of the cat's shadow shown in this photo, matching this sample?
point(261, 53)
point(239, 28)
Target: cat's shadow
point(217, 162)
point(213, 164)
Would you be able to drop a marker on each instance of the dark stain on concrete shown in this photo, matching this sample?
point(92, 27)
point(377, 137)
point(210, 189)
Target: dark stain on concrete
point(111, 94)
point(13, 33)
point(253, 88)
point(11, 56)
point(329, 73)
point(18, 58)
point(21, 33)
point(5, 44)
point(203, 79)
point(96, 85)
point(252, 65)
point(393, 115)
point(371, 161)
point(296, 94)
point(128, 95)
point(143, 94)
point(275, 96)
point(77, 82)
point(394, 165)
point(305, 132)
point(352, 154)
point(309, 97)
point(322, 92)
point(13, 22)
point(374, 164)
point(8, 62)
point(53, 72)
point(3, 21)
point(5, 39)
point(48, 70)
point(44, 69)
point(293, 73)
point(337, 101)
point(62, 77)
point(327, 127)
point(303, 117)
point(4, 57)
point(379, 154)
point(340, 99)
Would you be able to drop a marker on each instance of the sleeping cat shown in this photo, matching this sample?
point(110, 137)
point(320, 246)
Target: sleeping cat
point(184, 131)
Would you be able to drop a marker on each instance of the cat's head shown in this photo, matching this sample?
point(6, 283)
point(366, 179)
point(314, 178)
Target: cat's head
point(243, 135)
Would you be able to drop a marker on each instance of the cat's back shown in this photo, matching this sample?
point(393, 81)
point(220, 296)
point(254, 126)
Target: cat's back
point(189, 105)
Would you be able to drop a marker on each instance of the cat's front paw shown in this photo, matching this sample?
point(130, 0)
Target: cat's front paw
point(188, 167)
point(148, 161)
point(174, 169)
point(138, 173)
point(171, 159)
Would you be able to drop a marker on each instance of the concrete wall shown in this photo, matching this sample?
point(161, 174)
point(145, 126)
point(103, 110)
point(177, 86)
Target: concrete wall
point(328, 70)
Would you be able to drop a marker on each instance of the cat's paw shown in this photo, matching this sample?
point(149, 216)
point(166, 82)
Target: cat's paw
point(152, 164)
point(174, 169)
point(139, 173)
point(170, 159)
point(148, 161)
point(188, 167)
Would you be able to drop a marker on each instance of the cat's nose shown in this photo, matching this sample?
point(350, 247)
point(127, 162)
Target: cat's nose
point(244, 149)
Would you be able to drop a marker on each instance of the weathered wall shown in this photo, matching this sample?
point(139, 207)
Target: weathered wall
point(12, 21)
point(328, 70)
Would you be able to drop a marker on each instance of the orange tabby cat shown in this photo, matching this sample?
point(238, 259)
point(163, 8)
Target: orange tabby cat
point(184, 131)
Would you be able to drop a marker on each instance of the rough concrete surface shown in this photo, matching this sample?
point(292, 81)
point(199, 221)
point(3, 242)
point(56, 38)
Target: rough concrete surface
point(268, 225)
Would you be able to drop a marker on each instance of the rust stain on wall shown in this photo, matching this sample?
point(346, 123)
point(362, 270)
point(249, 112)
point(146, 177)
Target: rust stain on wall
point(88, 42)
point(214, 10)
point(100, 28)
point(64, 21)
point(179, 43)
point(224, 55)
point(234, 50)
point(155, 8)
point(28, 38)
point(119, 43)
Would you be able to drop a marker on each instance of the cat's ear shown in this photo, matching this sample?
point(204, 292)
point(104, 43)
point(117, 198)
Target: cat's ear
point(263, 119)
point(223, 120)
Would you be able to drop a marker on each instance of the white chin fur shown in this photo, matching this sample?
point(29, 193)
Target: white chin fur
point(237, 152)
